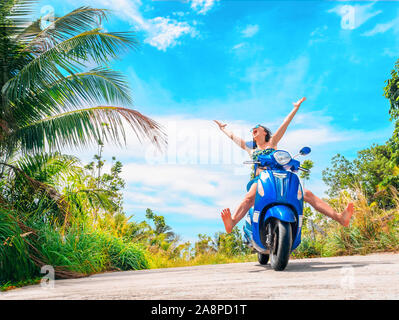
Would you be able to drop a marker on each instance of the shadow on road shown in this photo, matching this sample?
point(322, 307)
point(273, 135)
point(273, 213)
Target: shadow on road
point(319, 266)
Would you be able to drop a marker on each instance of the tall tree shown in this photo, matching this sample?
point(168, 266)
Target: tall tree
point(391, 92)
point(49, 95)
point(376, 168)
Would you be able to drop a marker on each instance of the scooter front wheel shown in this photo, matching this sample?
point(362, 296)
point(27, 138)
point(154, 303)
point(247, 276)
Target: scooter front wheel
point(263, 258)
point(281, 247)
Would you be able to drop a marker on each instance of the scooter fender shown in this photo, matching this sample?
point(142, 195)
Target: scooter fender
point(281, 212)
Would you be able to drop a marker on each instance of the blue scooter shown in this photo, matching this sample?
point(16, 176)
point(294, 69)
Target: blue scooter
point(273, 226)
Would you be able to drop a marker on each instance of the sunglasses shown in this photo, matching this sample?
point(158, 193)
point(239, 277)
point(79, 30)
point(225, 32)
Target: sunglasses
point(256, 127)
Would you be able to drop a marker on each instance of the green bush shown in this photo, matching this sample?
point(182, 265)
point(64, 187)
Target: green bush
point(308, 248)
point(82, 250)
point(15, 264)
point(78, 250)
point(87, 251)
point(122, 255)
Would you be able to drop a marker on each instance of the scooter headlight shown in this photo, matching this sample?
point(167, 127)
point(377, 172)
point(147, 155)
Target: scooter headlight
point(282, 157)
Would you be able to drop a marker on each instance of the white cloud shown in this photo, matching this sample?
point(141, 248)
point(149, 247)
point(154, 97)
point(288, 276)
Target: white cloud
point(239, 45)
point(353, 16)
point(393, 53)
point(179, 13)
point(202, 6)
point(142, 198)
point(190, 190)
point(250, 31)
point(318, 35)
point(164, 32)
point(193, 180)
point(317, 136)
point(278, 81)
point(161, 32)
point(319, 31)
point(382, 28)
point(259, 71)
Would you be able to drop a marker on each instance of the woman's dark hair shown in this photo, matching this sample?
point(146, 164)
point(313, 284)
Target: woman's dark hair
point(268, 133)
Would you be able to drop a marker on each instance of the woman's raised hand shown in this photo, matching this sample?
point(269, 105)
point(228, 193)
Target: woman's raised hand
point(298, 103)
point(221, 125)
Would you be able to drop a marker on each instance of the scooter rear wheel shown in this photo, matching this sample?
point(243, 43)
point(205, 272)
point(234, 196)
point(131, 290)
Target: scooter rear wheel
point(263, 258)
point(281, 248)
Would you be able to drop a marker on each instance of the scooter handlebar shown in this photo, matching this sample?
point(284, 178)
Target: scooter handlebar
point(251, 162)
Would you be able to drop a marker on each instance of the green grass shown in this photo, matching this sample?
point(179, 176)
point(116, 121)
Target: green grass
point(162, 260)
point(123, 255)
point(78, 250)
point(82, 250)
point(308, 248)
point(13, 285)
point(87, 251)
point(15, 264)
point(372, 229)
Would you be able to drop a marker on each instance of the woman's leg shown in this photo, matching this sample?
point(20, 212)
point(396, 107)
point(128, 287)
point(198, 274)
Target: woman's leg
point(321, 206)
point(242, 209)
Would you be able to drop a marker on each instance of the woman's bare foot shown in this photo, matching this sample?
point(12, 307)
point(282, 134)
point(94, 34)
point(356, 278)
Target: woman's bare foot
point(347, 214)
point(227, 220)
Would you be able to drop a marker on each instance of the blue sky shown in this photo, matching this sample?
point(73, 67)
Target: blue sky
point(244, 63)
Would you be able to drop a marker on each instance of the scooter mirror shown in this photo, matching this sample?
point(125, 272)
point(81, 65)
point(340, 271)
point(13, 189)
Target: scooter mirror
point(304, 151)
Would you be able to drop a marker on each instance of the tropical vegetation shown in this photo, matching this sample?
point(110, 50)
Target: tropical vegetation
point(58, 90)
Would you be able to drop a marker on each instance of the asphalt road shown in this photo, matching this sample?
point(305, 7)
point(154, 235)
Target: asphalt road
point(352, 277)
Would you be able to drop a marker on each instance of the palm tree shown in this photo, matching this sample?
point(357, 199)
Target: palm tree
point(50, 98)
point(57, 184)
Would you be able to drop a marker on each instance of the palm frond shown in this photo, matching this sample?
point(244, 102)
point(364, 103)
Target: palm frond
point(99, 46)
point(86, 126)
point(29, 32)
point(97, 198)
point(100, 85)
point(51, 192)
point(67, 57)
point(75, 22)
point(15, 15)
point(49, 168)
point(97, 86)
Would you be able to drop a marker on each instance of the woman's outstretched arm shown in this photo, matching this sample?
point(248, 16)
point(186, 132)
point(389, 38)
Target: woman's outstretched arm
point(280, 132)
point(240, 142)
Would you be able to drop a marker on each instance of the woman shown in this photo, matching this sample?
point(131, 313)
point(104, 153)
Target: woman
point(265, 143)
